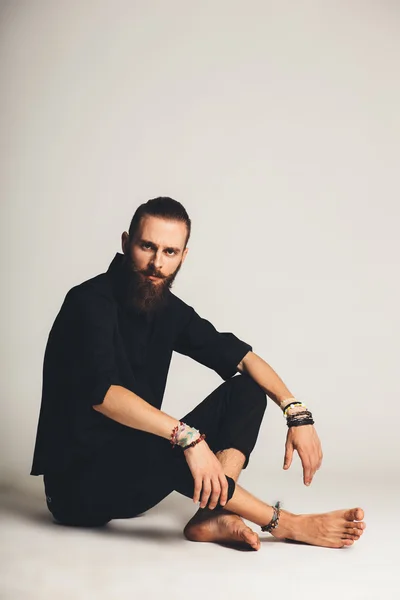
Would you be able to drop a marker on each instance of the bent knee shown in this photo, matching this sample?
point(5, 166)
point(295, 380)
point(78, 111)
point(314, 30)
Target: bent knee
point(251, 388)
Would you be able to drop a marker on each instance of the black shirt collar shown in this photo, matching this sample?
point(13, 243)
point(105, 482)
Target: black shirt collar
point(117, 272)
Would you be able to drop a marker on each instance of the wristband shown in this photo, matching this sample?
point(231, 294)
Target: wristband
point(291, 405)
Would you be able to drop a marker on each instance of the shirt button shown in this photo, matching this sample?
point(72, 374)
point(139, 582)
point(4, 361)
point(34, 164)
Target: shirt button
point(48, 498)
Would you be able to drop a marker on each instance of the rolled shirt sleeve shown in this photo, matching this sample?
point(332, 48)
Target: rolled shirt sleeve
point(95, 368)
point(199, 339)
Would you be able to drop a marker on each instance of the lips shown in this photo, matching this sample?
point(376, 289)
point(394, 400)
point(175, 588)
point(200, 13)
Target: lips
point(153, 277)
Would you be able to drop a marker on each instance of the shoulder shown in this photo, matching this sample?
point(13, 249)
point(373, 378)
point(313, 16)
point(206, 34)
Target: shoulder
point(94, 293)
point(178, 306)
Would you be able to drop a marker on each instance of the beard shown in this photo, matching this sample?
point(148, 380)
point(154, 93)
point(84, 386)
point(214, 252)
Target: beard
point(142, 294)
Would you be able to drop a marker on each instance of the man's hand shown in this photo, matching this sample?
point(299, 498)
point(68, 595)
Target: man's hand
point(305, 440)
point(209, 478)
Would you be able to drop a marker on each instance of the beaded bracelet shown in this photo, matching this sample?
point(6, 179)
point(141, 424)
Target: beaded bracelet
point(191, 431)
point(275, 519)
point(199, 439)
point(293, 399)
point(291, 405)
point(174, 434)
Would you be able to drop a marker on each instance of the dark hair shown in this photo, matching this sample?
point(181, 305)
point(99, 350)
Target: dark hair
point(163, 207)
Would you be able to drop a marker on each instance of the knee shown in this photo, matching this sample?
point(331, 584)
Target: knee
point(254, 392)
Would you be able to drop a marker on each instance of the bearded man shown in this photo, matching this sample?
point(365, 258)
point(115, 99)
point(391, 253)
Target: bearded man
point(103, 444)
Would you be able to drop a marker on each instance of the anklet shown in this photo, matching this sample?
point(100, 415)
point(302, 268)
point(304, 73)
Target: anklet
point(275, 519)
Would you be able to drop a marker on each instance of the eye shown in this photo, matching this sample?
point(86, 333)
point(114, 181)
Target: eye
point(170, 252)
point(146, 246)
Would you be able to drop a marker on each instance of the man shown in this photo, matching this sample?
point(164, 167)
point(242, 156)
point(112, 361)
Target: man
point(105, 447)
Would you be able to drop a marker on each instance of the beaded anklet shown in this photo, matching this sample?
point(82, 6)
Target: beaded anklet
point(275, 519)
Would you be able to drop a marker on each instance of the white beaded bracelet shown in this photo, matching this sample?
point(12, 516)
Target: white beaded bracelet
point(292, 405)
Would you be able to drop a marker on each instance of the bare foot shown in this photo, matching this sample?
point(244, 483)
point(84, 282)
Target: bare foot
point(220, 526)
point(335, 529)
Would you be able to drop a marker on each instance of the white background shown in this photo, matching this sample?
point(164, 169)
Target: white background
point(277, 125)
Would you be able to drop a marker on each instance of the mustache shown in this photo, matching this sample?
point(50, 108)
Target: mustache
point(149, 270)
point(152, 271)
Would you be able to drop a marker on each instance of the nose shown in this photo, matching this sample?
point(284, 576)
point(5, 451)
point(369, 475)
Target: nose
point(158, 260)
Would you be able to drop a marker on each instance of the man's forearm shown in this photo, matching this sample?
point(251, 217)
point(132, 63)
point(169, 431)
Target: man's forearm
point(265, 376)
point(127, 408)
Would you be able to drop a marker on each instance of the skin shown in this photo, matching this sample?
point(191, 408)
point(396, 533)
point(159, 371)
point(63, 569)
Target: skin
point(159, 245)
point(159, 248)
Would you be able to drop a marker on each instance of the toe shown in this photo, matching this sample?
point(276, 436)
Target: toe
point(250, 537)
point(359, 514)
point(348, 542)
point(354, 528)
point(350, 536)
point(354, 514)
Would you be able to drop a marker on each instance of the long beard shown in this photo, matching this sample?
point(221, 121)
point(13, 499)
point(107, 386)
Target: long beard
point(143, 294)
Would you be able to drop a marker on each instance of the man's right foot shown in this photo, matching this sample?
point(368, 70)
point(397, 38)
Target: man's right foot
point(333, 530)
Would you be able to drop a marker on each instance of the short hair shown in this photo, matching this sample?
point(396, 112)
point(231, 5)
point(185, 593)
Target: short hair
point(163, 207)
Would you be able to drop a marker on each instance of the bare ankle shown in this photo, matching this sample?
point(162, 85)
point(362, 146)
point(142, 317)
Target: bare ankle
point(288, 526)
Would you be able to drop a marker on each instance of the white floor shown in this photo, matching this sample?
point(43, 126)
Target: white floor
point(148, 557)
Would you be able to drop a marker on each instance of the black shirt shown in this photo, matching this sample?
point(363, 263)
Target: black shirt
point(96, 342)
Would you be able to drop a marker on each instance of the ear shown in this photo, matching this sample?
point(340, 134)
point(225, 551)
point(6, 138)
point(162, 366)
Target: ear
point(186, 250)
point(125, 242)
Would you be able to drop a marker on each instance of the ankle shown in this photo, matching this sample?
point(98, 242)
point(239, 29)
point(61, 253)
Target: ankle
point(289, 525)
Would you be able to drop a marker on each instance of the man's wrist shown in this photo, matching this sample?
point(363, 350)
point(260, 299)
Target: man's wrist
point(295, 406)
point(284, 403)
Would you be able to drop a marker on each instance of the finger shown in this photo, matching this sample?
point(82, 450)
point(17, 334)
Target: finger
point(224, 490)
point(197, 489)
point(216, 492)
point(206, 493)
point(313, 471)
point(314, 466)
point(307, 472)
point(288, 456)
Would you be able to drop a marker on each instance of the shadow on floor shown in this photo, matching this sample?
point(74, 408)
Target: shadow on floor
point(33, 509)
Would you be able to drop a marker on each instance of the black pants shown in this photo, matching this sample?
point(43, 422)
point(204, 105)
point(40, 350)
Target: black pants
point(137, 470)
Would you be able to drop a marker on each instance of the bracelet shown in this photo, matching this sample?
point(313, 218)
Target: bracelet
point(291, 406)
point(275, 519)
point(292, 398)
point(299, 414)
point(182, 434)
point(173, 439)
point(199, 439)
point(304, 422)
point(301, 418)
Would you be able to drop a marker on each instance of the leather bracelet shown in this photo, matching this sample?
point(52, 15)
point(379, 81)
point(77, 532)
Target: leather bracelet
point(299, 423)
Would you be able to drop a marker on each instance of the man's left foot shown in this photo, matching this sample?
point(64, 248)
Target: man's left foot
point(220, 525)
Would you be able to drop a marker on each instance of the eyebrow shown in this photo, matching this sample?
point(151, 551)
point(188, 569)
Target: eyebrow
point(142, 241)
